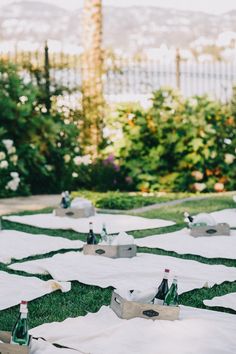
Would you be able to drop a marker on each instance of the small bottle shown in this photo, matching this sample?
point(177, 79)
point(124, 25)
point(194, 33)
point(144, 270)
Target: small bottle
point(20, 332)
point(67, 199)
point(162, 289)
point(172, 298)
point(104, 233)
point(63, 203)
point(91, 239)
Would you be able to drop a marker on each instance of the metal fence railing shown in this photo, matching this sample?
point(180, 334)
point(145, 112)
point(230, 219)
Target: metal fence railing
point(129, 78)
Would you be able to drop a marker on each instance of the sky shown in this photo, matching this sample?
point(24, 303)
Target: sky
point(211, 6)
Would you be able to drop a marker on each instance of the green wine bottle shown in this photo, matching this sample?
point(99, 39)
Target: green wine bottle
point(91, 238)
point(20, 332)
point(172, 298)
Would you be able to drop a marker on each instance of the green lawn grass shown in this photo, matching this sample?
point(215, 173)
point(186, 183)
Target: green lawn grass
point(84, 298)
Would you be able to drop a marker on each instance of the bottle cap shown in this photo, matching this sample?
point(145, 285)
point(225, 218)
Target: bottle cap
point(23, 302)
point(167, 270)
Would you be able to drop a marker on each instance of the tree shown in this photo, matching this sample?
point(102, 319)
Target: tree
point(92, 66)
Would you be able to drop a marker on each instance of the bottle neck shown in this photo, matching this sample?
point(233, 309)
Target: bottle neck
point(23, 315)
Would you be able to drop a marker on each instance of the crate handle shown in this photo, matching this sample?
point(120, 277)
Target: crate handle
point(211, 231)
point(150, 313)
point(70, 213)
point(100, 251)
point(117, 300)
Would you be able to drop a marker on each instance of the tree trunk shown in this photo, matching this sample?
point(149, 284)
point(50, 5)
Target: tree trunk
point(92, 66)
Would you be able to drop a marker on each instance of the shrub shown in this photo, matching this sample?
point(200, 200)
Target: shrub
point(178, 144)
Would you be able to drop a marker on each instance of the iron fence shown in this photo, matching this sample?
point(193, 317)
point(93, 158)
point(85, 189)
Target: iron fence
point(127, 79)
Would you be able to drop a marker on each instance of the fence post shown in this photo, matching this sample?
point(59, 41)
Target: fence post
point(47, 78)
point(177, 68)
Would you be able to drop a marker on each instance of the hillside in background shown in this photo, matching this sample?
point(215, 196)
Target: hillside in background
point(124, 28)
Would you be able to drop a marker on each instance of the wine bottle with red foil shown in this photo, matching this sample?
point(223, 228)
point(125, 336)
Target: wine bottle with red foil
point(162, 289)
point(91, 238)
point(20, 332)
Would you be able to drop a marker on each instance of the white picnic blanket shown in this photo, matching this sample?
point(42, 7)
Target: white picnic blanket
point(182, 243)
point(141, 272)
point(15, 288)
point(226, 215)
point(196, 332)
point(40, 346)
point(114, 223)
point(228, 301)
point(18, 245)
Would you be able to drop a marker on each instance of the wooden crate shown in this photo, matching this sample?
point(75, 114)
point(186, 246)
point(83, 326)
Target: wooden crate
point(130, 309)
point(7, 348)
point(217, 230)
point(75, 212)
point(119, 251)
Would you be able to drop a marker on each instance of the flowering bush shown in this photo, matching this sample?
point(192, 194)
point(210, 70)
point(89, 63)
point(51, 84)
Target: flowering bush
point(10, 181)
point(178, 144)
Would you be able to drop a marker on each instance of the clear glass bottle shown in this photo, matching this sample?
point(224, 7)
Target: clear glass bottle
point(91, 238)
point(20, 332)
point(172, 298)
point(162, 289)
point(104, 233)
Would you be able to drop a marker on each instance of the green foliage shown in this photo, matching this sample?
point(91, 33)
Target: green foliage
point(178, 144)
point(42, 138)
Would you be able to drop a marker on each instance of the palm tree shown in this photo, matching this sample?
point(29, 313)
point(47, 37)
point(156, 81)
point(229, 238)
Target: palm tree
point(92, 66)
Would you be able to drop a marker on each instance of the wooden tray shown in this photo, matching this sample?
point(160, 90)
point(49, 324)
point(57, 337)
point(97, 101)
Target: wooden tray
point(130, 309)
point(7, 348)
point(222, 229)
point(75, 212)
point(120, 251)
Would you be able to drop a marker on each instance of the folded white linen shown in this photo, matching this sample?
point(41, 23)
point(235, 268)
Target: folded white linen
point(15, 288)
point(18, 245)
point(197, 331)
point(114, 223)
point(42, 347)
point(226, 215)
point(182, 243)
point(141, 272)
point(228, 301)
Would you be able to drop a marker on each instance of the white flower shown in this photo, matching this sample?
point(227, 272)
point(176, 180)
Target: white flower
point(2, 155)
point(198, 175)
point(229, 158)
point(75, 174)
point(8, 144)
point(49, 167)
point(12, 150)
point(3, 164)
point(76, 149)
point(14, 175)
point(23, 99)
point(85, 160)
point(13, 184)
point(67, 158)
point(14, 159)
point(199, 187)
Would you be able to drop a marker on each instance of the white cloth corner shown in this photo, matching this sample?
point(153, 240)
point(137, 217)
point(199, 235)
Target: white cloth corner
point(227, 301)
point(141, 272)
point(197, 331)
point(19, 245)
point(183, 243)
point(114, 223)
point(15, 288)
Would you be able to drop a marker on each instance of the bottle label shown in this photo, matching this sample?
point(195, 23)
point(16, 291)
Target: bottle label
point(158, 301)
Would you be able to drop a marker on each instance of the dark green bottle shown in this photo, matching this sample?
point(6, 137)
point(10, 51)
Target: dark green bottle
point(20, 332)
point(162, 289)
point(172, 298)
point(91, 238)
